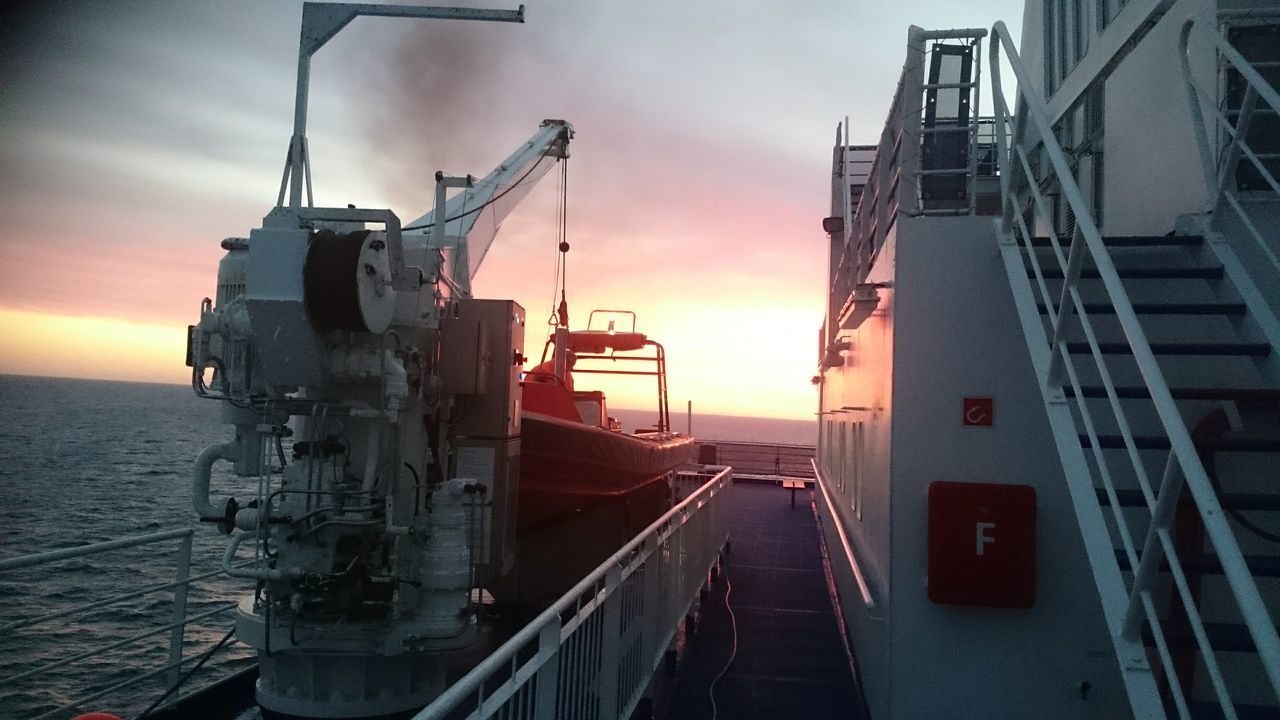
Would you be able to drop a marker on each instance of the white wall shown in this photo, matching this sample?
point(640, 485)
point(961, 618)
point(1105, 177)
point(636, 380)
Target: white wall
point(958, 336)
point(945, 331)
point(1153, 169)
point(865, 381)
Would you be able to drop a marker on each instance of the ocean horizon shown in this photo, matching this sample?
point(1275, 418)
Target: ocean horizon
point(705, 426)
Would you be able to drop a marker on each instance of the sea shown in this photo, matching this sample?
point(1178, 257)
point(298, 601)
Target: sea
point(88, 461)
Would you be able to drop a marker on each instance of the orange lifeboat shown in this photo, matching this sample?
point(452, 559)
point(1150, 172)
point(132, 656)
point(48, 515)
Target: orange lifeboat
point(586, 488)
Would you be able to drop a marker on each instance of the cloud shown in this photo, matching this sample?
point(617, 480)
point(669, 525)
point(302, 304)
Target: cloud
point(135, 135)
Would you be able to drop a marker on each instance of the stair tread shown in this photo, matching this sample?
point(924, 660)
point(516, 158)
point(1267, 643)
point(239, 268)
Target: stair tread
point(1180, 393)
point(1133, 241)
point(1223, 637)
point(1204, 308)
point(1176, 348)
point(1210, 710)
point(1210, 272)
point(1160, 442)
point(1238, 501)
point(1208, 563)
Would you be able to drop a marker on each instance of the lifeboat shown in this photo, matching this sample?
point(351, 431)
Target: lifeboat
point(586, 487)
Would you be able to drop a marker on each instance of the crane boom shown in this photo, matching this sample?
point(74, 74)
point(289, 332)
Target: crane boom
point(472, 217)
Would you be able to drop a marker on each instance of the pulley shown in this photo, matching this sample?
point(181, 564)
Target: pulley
point(347, 282)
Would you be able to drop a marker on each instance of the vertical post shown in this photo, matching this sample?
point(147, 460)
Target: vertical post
point(549, 674)
point(653, 611)
point(610, 637)
point(910, 111)
point(181, 575)
point(1152, 550)
point(1066, 309)
point(688, 427)
point(846, 206)
point(974, 114)
point(1227, 175)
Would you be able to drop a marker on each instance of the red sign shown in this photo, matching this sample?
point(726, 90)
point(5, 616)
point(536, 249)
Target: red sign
point(982, 544)
point(979, 412)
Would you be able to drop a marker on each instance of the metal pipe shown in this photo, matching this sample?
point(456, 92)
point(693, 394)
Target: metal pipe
point(201, 473)
point(253, 573)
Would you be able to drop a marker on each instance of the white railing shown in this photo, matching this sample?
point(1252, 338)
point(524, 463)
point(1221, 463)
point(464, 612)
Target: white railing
point(129, 649)
point(1125, 606)
point(1220, 176)
point(893, 181)
point(846, 547)
point(592, 653)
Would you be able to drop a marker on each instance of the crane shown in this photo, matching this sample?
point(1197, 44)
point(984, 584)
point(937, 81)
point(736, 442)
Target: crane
point(472, 217)
point(377, 404)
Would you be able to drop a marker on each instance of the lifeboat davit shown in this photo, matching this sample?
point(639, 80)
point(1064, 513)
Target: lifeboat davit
point(586, 487)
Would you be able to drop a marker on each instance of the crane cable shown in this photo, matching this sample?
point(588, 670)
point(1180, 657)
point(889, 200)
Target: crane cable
point(491, 200)
point(559, 316)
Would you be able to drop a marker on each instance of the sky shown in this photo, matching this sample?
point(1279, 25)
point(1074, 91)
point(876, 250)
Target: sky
point(135, 136)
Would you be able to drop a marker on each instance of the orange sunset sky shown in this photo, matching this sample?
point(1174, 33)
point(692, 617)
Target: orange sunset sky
point(136, 135)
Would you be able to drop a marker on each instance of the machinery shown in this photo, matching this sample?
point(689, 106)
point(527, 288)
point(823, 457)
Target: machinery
point(377, 403)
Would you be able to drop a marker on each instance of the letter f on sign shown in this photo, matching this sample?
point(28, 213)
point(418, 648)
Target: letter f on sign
point(983, 537)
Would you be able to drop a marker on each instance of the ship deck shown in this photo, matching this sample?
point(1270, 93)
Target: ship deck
point(790, 660)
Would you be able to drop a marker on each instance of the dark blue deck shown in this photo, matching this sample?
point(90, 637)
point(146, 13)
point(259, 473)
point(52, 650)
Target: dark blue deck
point(790, 659)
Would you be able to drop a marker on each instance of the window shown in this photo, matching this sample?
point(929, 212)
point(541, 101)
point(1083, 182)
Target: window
point(1050, 71)
point(1079, 38)
point(860, 460)
point(1107, 11)
point(828, 455)
point(844, 455)
point(1059, 30)
point(1094, 124)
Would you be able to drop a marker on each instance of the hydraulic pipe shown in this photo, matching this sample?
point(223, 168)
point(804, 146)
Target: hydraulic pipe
point(228, 560)
point(229, 451)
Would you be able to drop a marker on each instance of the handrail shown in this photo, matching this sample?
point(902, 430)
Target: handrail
point(868, 601)
point(91, 549)
point(1184, 465)
point(1220, 179)
point(607, 589)
point(176, 626)
point(893, 182)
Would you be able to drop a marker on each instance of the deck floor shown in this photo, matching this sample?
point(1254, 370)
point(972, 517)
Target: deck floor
point(790, 660)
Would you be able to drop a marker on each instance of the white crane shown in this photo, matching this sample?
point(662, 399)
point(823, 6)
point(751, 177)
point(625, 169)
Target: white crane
point(362, 352)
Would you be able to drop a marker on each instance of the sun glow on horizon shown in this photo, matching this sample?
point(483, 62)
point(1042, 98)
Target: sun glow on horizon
point(99, 348)
point(747, 362)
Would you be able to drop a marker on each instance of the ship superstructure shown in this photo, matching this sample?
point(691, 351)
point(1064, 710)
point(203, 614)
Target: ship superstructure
point(1049, 381)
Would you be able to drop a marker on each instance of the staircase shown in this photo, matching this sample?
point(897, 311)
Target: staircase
point(1159, 364)
point(1221, 374)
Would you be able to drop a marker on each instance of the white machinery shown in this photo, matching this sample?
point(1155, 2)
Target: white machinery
point(377, 403)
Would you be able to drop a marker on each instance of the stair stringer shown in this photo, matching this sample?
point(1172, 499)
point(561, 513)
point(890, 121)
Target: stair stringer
point(1243, 283)
point(1135, 669)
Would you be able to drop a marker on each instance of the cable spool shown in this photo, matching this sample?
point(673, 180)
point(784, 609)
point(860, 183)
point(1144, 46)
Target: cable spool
point(346, 282)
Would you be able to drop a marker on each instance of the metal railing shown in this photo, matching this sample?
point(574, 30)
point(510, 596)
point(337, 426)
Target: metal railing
point(123, 650)
point(893, 184)
point(763, 459)
point(1220, 176)
point(591, 654)
point(846, 547)
point(1125, 605)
